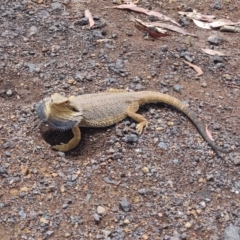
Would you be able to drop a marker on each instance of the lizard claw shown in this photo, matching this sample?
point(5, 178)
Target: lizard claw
point(139, 128)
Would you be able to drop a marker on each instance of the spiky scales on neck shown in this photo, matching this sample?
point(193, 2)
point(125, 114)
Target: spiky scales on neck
point(58, 112)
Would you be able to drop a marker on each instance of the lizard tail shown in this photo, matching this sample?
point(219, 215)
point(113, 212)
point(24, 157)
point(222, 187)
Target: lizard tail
point(151, 97)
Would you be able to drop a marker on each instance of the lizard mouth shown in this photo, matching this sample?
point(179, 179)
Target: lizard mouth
point(54, 121)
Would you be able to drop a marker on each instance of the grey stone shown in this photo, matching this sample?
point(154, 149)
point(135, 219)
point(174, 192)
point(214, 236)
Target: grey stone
point(9, 92)
point(97, 34)
point(163, 145)
point(130, 138)
point(109, 81)
point(3, 172)
point(56, 6)
point(217, 59)
point(231, 233)
point(177, 88)
point(49, 233)
point(33, 30)
point(44, 14)
point(101, 210)
point(82, 22)
point(216, 5)
point(110, 181)
point(125, 205)
point(31, 67)
point(175, 160)
point(5, 33)
point(61, 154)
point(8, 154)
point(65, 205)
point(142, 191)
point(236, 160)
point(22, 214)
point(96, 217)
point(215, 40)
point(164, 48)
point(183, 21)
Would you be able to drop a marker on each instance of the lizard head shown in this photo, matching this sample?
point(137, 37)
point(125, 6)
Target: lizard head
point(58, 112)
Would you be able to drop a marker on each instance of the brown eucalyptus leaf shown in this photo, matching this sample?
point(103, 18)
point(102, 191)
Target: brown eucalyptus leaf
point(195, 67)
point(90, 18)
point(222, 22)
point(215, 52)
point(198, 16)
point(204, 25)
point(151, 32)
point(135, 8)
point(166, 26)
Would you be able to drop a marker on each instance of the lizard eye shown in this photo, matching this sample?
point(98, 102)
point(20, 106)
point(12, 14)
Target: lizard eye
point(75, 110)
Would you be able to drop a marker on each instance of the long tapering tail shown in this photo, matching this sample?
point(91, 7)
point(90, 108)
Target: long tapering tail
point(151, 97)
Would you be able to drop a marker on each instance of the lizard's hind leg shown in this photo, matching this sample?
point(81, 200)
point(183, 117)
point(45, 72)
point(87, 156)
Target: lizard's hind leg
point(72, 143)
point(131, 112)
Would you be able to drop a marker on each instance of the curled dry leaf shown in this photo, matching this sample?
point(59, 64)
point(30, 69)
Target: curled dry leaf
point(128, 1)
point(198, 16)
point(195, 67)
point(105, 40)
point(209, 133)
point(148, 25)
point(214, 52)
point(152, 31)
point(135, 8)
point(90, 18)
point(229, 29)
point(201, 24)
point(222, 22)
point(166, 26)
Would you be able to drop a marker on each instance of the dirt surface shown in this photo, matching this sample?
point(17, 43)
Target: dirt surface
point(166, 183)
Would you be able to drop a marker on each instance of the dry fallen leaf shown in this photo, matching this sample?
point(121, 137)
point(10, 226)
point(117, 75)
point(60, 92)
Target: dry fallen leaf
point(229, 29)
point(222, 22)
point(166, 26)
point(215, 52)
point(90, 18)
point(135, 8)
point(153, 32)
point(128, 1)
point(105, 40)
point(195, 67)
point(201, 24)
point(209, 133)
point(198, 16)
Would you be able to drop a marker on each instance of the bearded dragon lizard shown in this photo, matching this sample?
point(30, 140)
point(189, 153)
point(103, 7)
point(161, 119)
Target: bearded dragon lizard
point(105, 109)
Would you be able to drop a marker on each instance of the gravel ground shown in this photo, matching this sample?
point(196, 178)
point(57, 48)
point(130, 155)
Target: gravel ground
point(166, 184)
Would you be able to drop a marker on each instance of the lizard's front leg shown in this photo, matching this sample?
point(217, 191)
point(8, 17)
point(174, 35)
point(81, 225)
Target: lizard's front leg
point(131, 112)
point(72, 143)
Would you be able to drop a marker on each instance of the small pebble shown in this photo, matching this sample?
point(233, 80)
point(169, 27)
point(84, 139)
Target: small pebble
point(215, 40)
point(8, 154)
point(145, 170)
point(96, 217)
point(61, 154)
point(177, 88)
point(101, 210)
point(125, 205)
point(9, 92)
point(56, 5)
point(163, 145)
point(188, 225)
